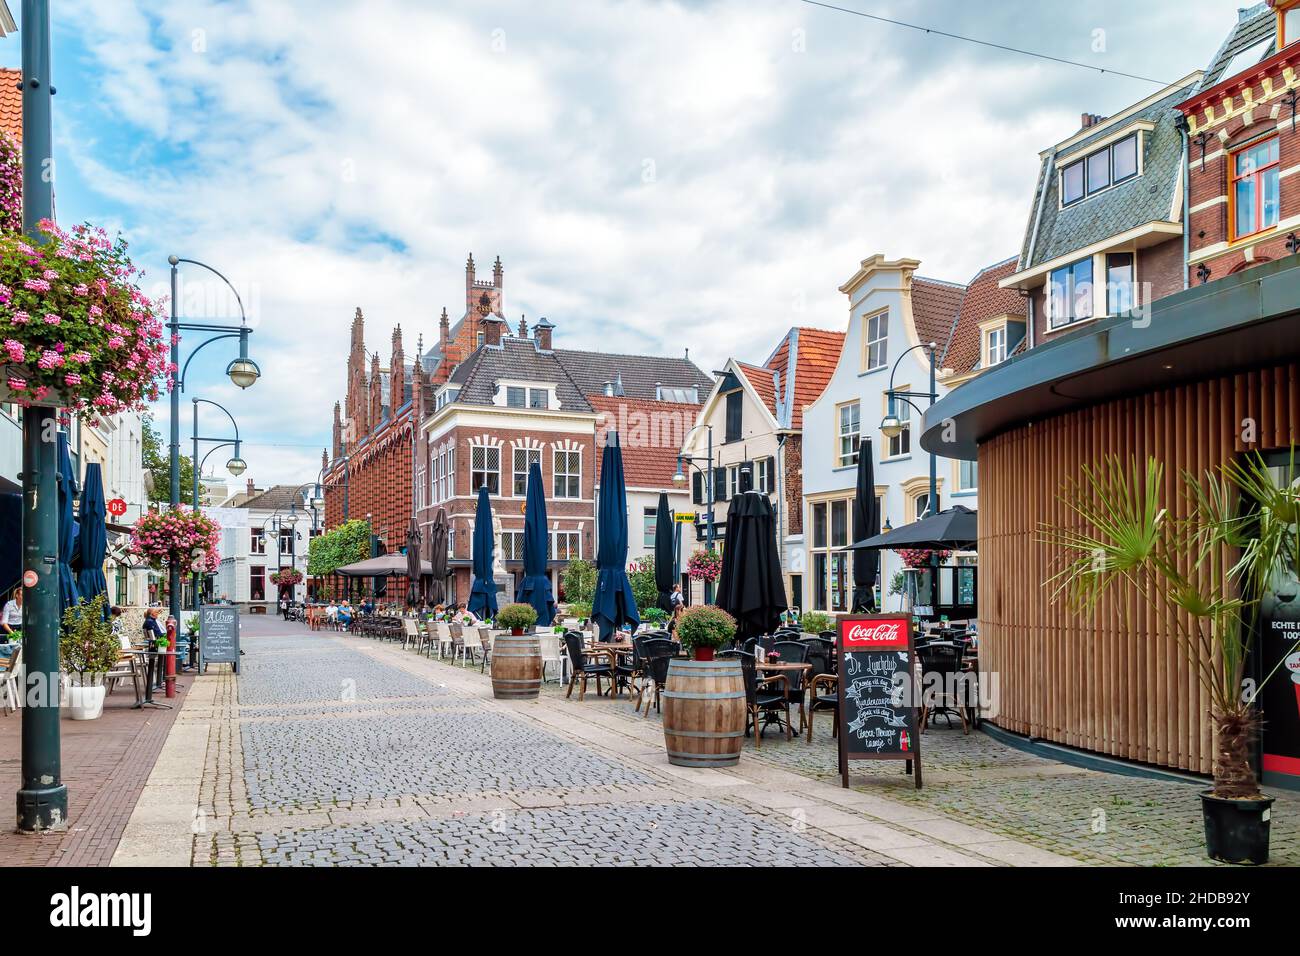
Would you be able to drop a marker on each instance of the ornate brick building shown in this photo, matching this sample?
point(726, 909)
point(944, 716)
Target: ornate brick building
point(476, 409)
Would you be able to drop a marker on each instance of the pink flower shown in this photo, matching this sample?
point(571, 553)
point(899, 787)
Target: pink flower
point(21, 318)
point(36, 285)
point(52, 319)
point(50, 274)
point(72, 379)
point(16, 350)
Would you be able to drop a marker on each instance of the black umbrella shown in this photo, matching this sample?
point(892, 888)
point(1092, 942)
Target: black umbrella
point(438, 559)
point(483, 592)
point(413, 563)
point(613, 604)
point(664, 555)
point(866, 524)
point(954, 528)
point(750, 588)
point(384, 566)
point(93, 540)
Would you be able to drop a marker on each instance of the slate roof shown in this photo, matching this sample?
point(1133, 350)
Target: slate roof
point(11, 103)
point(1254, 24)
point(639, 373)
point(1143, 199)
point(650, 463)
point(276, 497)
point(515, 358)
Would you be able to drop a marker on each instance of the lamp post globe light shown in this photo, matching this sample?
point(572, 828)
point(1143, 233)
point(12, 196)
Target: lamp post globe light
point(243, 372)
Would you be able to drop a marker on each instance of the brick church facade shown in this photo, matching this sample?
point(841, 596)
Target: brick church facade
point(477, 408)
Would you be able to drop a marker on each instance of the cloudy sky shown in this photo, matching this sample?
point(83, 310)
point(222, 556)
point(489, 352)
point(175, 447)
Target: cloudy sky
point(654, 175)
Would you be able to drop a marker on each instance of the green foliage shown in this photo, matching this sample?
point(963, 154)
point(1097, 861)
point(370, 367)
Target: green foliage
point(88, 646)
point(191, 624)
point(1202, 568)
point(897, 583)
point(814, 622)
point(580, 609)
point(340, 546)
point(158, 465)
point(705, 625)
point(654, 615)
point(518, 616)
point(579, 582)
point(641, 575)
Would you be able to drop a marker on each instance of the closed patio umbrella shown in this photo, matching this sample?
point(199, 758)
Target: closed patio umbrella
point(414, 566)
point(664, 555)
point(613, 604)
point(483, 593)
point(535, 589)
point(93, 540)
point(750, 587)
point(438, 558)
point(866, 524)
point(68, 593)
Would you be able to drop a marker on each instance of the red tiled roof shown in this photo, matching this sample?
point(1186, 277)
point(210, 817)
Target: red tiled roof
point(983, 300)
point(11, 103)
point(651, 433)
point(934, 309)
point(764, 382)
point(817, 354)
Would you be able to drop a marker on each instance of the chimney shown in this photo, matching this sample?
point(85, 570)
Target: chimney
point(1089, 120)
point(523, 327)
point(542, 334)
point(251, 489)
point(498, 274)
point(493, 329)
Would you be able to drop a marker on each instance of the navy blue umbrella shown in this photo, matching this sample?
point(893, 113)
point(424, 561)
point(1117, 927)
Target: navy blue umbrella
point(613, 604)
point(535, 589)
point(93, 540)
point(483, 595)
point(68, 593)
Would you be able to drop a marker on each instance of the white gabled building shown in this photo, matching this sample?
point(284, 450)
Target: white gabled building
point(894, 315)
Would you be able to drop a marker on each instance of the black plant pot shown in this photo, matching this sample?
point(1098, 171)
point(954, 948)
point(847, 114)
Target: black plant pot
point(1236, 831)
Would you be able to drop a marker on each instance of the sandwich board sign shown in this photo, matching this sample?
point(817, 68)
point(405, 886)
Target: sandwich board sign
point(218, 636)
point(876, 663)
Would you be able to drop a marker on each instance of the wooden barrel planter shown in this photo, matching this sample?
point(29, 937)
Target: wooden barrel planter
point(516, 667)
point(704, 713)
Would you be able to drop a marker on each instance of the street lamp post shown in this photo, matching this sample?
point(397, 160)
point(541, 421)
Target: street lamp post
point(236, 465)
point(43, 797)
point(679, 479)
point(288, 520)
point(243, 371)
point(891, 427)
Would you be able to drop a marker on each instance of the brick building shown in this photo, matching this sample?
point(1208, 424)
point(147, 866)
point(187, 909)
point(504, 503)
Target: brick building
point(477, 408)
point(1244, 146)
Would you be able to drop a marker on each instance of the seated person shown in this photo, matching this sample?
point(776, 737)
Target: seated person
point(345, 614)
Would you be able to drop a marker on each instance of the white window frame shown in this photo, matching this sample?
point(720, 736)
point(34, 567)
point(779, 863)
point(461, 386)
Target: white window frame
point(902, 410)
point(572, 552)
point(533, 454)
point(485, 470)
point(558, 473)
point(841, 459)
point(879, 341)
point(997, 345)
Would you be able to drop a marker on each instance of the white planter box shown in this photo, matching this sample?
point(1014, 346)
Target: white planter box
point(85, 703)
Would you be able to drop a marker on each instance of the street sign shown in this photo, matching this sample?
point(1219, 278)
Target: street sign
point(117, 507)
point(685, 517)
point(877, 692)
point(218, 635)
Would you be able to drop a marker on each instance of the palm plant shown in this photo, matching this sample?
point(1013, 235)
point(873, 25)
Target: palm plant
point(1213, 566)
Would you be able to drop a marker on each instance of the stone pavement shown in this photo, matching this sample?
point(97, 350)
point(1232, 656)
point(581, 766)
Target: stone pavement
point(105, 765)
point(331, 750)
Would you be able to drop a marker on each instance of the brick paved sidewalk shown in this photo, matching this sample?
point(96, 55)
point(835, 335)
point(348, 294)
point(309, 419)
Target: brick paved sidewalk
point(106, 763)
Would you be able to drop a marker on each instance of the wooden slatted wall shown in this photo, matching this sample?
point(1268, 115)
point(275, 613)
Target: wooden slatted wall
point(1119, 683)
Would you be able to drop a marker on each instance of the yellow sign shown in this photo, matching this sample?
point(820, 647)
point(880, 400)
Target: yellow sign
point(685, 517)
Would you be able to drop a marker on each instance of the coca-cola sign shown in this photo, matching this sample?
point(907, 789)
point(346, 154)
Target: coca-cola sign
point(877, 633)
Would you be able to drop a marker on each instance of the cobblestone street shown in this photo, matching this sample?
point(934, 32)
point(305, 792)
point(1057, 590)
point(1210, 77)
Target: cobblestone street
point(332, 750)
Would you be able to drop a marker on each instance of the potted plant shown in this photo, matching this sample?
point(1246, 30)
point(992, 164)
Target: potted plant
point(815, 622)
point(704, 565)
point(704, 628)
point(517, 618)
point(88, 650)
point(654, 615)
point(1205, 569)
point(582, 611)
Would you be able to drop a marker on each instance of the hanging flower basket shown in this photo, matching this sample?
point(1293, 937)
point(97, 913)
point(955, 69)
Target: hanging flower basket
point(286, 577)
point(920, 557)
point(704, 565)
point(75, 330)
point(187, 539)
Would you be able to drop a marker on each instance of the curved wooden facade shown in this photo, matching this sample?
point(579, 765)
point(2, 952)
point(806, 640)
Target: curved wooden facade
point(1117, 683)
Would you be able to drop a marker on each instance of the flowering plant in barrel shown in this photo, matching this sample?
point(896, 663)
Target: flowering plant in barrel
point(704, 628)
point(74, 327)
point(1203, 566)
point(704, 565)
point(517, 617)
point(177, 537)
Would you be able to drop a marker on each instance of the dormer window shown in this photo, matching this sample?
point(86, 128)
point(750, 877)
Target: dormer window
point(525, 395)
point(1113, 164)
point(997, 345)
point(1288, 26)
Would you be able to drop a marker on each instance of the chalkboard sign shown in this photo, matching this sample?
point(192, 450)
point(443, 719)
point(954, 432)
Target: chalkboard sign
point(219, 635)
point(877, 691)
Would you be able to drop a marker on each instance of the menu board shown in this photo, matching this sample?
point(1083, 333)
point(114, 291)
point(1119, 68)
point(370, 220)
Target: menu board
point(876, 663)
point(1279, 641)
point(219, 635)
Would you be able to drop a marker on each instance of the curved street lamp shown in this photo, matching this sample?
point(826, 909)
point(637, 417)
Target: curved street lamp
point(243, 372)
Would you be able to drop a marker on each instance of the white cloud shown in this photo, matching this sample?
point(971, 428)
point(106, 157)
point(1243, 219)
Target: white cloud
point(350, 153)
